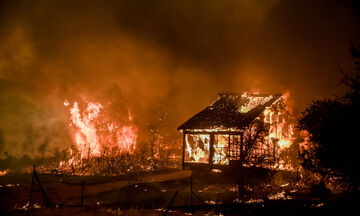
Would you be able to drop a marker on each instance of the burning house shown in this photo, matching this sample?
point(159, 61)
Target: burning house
point(228, 131)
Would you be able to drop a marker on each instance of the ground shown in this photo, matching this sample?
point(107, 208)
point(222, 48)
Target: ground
point(149, 193)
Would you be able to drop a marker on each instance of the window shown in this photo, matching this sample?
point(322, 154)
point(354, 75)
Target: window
point(197, 148)
point(221, 149)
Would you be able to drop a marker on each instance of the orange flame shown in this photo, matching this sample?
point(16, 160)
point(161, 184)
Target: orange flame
point(95, 134)
point(280, 134)
point(4, 172)
point(280, 128)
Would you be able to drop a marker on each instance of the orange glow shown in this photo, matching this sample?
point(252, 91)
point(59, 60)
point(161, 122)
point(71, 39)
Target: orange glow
point(95, 134)
point(4, 172)
point(197, 148)
point(253, 102)
point(281, 130)
point(221, 146)
point(280, 134)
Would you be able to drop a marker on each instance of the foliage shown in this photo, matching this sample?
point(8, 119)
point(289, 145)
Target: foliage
point(333, 127)
point(252, 146)
point(253, 143)
point(254, 139)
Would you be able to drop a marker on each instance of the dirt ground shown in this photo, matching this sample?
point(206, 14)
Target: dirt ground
point(149, 193)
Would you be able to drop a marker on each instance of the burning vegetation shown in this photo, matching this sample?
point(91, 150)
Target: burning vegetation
point(106, 145)
point(247, 130)
point(250, 130)
point(98, 138)
point(241, 150)
point(91, 94)
point(237, 129)
point(95, 134)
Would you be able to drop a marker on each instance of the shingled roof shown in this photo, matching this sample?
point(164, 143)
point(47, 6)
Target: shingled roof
point(231, 111)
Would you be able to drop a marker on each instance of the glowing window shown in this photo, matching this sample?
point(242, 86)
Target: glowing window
point(221, 149)
point(197, 148)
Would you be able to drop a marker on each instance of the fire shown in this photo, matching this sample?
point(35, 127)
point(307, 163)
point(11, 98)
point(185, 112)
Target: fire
point(4, 172)
point(220, 150)
point(253, 102)
point(198, 147)
point(281, 130)
point(127, 138)
point(284, 144)
point(226, 142)
point(96, 134)
point(85, 136)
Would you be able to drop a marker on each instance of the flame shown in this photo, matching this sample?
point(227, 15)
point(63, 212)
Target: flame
point(198, 147)
point(85, 136)
point(4, 172)
point(281, 131)
point(253, 102)
point(126, 138)
point(220, 150)
point(284, 143)
point(95, 134)
point(280, 134)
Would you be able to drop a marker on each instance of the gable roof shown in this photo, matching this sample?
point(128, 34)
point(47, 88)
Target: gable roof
point(231, 111)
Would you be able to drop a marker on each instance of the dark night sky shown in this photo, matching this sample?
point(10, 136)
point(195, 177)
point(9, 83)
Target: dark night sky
point(181, 53)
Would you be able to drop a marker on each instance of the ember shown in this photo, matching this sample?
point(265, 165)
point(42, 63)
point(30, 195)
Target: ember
point(4, 172)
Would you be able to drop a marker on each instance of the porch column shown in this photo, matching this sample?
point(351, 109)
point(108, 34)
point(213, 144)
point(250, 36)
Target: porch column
point(183, 149)
point(241, 146)
point(211, 149)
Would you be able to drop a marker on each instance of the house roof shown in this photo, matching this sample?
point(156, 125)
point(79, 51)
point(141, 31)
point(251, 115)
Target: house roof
point(234, 111)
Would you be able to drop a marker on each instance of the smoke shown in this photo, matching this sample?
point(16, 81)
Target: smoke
point(153, 54)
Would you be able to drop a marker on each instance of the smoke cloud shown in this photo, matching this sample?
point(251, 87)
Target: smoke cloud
point(160, 55)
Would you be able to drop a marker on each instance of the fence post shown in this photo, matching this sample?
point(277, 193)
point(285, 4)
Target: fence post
point(82, 193)
point(32, 185)
point(191, 191)
point(47, 202)
point(170, 203)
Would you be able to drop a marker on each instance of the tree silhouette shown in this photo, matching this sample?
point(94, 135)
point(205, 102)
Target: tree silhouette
point(333, 126)
point(255, 149)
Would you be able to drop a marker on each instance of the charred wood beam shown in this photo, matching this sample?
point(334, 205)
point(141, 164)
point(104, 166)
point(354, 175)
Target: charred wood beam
point(211, 149)
point(183, 151)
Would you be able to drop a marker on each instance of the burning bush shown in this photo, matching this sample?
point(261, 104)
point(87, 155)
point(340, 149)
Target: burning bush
point(107, 147)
